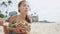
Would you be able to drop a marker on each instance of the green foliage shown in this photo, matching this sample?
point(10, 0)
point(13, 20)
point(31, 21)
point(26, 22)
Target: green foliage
point(1, 16)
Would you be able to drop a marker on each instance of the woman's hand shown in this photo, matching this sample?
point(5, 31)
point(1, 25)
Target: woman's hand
point(17, 30)
point(2, 21)
point(28, 28)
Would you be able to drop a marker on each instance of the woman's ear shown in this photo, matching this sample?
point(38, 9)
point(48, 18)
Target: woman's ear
point(18, 8)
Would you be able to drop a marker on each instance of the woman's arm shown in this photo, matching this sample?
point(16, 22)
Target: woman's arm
point(11, 21)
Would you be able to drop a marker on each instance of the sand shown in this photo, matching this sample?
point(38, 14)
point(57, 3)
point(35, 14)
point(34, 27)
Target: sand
point(45, 28)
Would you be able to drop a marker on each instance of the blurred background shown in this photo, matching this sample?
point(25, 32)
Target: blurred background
point(47, 11)
point(44, 13)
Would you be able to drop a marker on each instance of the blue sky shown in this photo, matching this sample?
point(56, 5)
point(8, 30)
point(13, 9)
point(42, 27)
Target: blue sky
point(46, 9)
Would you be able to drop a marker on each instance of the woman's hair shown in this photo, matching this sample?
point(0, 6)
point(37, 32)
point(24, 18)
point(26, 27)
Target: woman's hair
point(26, 18)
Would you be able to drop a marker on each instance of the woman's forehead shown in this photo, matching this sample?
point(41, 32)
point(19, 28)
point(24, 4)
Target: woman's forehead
point(24, 3)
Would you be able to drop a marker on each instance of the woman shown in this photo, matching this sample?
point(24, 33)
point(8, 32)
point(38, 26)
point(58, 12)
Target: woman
point(23, 9)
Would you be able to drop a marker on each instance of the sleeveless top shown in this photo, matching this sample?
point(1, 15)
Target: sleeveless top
point(24, 24)
point(21, 22)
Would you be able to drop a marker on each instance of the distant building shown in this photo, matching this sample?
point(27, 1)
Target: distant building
point(34, 18)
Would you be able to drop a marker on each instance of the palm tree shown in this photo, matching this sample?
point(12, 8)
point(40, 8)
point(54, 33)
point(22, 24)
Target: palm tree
point(34, 12)
point(1, 15)
point(6, 13)
point(31, 14)
point(0, 11)
point(3, 3)
point(9, 2)
point(6, 3)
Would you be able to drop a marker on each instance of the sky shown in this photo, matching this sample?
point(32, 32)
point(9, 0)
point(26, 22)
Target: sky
point(46, 9)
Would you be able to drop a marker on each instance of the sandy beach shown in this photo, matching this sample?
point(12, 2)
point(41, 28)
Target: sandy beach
point(45, 28)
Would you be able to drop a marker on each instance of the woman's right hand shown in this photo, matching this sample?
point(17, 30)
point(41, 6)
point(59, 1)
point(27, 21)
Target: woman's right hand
point(15, 30)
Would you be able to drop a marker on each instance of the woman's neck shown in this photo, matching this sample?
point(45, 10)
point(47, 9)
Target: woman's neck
point(22, 16)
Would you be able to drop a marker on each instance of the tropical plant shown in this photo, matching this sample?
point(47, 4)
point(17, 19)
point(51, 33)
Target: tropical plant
point(1, 16)
point(6, 4)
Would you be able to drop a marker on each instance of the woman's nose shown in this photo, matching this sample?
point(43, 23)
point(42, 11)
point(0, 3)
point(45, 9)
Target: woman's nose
point(26, 7)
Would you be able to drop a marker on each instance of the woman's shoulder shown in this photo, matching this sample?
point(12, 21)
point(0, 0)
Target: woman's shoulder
point(13, 17)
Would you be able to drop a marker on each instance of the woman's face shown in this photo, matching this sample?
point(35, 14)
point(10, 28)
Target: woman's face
point(24, 7)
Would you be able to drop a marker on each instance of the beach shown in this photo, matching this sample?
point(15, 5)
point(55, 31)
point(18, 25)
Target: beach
point(45, 28)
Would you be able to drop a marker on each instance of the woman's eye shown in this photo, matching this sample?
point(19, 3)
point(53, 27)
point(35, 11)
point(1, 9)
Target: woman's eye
point(26, 5)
